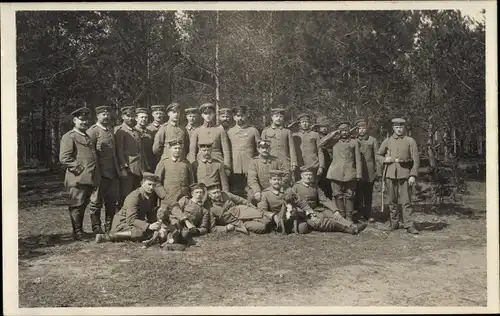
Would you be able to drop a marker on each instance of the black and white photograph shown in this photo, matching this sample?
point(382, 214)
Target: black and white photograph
point(192, 155)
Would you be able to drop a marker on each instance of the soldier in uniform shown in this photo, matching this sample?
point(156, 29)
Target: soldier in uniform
point(108, 191)
point(225, 118)
point(158, 113)
point(282, 144)
point(147, 138)
point(328, 217)
point(370, 165)
point(175, 174)
point(207, 170)
point(191, 117)
point(78, 155)
point(243, 139)
point(137, 218)
point(259, 171)
point(210, 133)
point(129, 153)
point(307, 145)
point(273, 198)
point(322, 125)
point(230, 212)
point(400, 156)
point(169, 131)
point(345, 168)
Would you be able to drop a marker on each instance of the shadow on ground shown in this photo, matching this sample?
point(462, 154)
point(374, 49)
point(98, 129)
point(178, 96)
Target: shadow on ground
point(35, 245)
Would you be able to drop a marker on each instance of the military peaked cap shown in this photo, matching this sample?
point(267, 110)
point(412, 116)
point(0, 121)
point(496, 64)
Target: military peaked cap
point(150, 176)
point(80, 112)
point(303, 116)
point(307, 169)
point(102, 108)
point(264, 143)
point(225, 111)
point(196, 186)
point(213, 185)
point(173, 106)
point(158, 107)
point(141, 110)
point(191, 110)
point(205, 106)
point(129, 110)
point(398, 120)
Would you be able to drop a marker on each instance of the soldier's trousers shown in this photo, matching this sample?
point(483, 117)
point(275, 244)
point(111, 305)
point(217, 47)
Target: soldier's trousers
point(79, 197)
point(364, 194)
point(328, 221)
point(127, 185)
point(238, 184)
point(108, 193)
point(325, 185)
point(343, 192)
point(398, 194)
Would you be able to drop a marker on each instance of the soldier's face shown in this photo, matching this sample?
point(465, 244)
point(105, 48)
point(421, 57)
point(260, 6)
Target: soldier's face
point(158, 116)
point(307, 177)
point(197, 194)
point(275, 182)
point(191, 118)
point(305, 124)
point(104, 117)
point(175, 150)
point(240, 118)
point(283, 180)
point(323, 130)
point(362, 131)
point(206, 152)
point(344, 133)
point(263, 151)
point(215, 194)
point(142, 119)
point(127, 119)
point(225, 120)
point(174, 115)
point(398, 129)
point(148, 186)
point(278, 119)
point(208, 115)
point(81, 122)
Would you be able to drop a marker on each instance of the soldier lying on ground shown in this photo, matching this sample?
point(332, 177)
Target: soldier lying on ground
point(230, 212)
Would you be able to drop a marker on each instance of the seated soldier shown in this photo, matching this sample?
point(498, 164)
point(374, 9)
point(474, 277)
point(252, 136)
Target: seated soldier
point(208, 170)
point(230, 212)
point(136, 220)
point(273, 200)
point(258, 170)
point(328, 218)
point(189, 215)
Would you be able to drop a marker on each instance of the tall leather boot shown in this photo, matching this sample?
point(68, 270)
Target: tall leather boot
point(239, 226)
point(114, 237)
point(76, 223)
point(340, 204)
point(110, 212)
point(95, 220)
point(349, 209)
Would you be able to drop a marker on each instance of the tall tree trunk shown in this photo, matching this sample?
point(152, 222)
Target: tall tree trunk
point(43, 152)
point(217, 66)
point(54, 138)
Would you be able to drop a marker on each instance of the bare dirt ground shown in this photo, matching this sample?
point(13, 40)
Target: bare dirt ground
point(444, 266)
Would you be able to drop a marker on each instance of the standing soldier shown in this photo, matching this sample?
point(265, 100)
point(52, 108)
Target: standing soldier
point(244, 139)
point(147, 138)
point(206, 170)
point(282, 145)
point(78, 155)
point(225, 118)
point(175, 174)
point(401, 162)
point(368, 149)
point(345, 169)
point(210, 133)
point(128, 151)
point(259, 171)
point(322, 125)
point(108, 191)
point(309, 153)
point(171, 130)
point(158, 113)
point(191, 117)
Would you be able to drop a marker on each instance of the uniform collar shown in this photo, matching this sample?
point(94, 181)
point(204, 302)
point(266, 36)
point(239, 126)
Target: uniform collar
point(245, 125)
point(174, 159)
point(398, 137)
point(190, 127)
point(365, 137)
point(264, 160)
point(140, 129)
point(275, 192)
point(305, 131)
point(197, 203)
point(127, 127)
point(346, 140)
point(276, 127)
point(175, 124)
point(156, 124)
point(208, 124)
point(206, 160)
point(144, 194)
point(306, 184)
point(101, 126)
point(79, 132)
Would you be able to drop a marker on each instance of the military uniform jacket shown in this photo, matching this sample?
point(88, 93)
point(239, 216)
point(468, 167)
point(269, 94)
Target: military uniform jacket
point(282, 145)
point(137, 211)
point(223, 212)
point(216, 135)
point(346, 161)
point(370, 165)
point(78, 155)
point(153, 127)
point(176, 177)
point(196, 213)
point(313, 196)
point(259, 172)
point(244, 142)
point(210, 171)
point(167, 132)
point(190, 129)
point(129, 149)
point(405, 149)
point(309, 153)
point(104, 140)
point(272, 202)
point(147, 139)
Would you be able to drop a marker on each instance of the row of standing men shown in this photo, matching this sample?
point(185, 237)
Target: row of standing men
point(105, 163)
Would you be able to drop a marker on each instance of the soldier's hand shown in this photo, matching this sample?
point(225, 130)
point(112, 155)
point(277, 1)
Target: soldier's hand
point(229, 227)
point(293, 167)
point(154, 226)
point(227, 171)
point(98, 147)
point(257, 196)
point(411, 180)
point(77, 170)
point(388, 159)
point(124, 173)
point(320, 171)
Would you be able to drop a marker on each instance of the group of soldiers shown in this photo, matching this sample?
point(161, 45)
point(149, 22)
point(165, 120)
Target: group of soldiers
point(229, 177)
